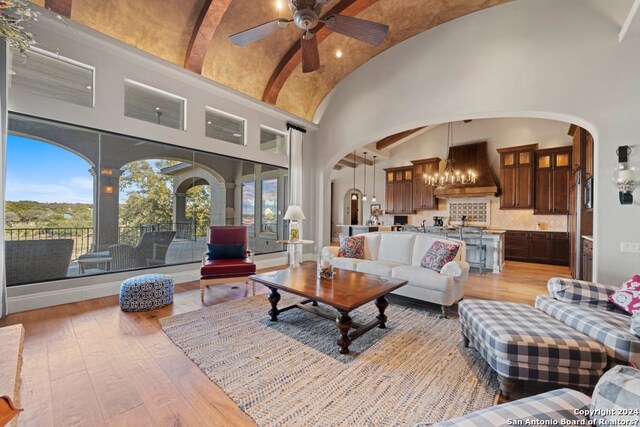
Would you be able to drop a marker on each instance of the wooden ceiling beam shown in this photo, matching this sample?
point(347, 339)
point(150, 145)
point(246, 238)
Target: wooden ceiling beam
point(392, 139)
point(337, 167)
point(208, 20)
point(61, 7)
point(293, 57)
point(346, 163)
point(358, 160)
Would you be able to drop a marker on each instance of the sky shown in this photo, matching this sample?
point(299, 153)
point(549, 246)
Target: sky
point(30, 175)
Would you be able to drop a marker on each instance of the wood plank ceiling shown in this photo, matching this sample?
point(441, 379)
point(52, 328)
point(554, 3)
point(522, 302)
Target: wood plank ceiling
point(193, 34)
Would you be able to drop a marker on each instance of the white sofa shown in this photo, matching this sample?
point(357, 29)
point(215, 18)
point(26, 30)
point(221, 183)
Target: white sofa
point(398, 255)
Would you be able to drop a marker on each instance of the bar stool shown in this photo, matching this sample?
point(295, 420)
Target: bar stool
point(473, 239)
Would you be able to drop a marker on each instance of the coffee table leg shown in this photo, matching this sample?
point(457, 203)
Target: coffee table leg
point(274, 297)
point(382, 305)
point(344, 324)
point(314, 303)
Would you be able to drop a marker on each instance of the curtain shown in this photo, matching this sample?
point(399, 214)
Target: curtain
point(4, 66)
point(295, 164)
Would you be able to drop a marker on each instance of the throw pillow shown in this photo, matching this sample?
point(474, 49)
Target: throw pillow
point(226, 251)
point(616, 398)
point(438, 255)
point(351, 247)
point(627, 297)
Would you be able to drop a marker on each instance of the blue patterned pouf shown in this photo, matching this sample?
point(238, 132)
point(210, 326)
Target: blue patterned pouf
point(146, 292)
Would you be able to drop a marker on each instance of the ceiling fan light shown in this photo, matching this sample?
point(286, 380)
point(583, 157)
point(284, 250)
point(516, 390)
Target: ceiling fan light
point(279, 4)
point(338, 53)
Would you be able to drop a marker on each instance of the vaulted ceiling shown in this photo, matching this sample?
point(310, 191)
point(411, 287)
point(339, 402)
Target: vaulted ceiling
point(194, 34)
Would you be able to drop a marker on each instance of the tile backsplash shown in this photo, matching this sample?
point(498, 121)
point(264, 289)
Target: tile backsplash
point(508, 219)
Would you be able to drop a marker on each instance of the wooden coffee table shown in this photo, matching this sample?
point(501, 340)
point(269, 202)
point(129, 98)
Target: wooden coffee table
point(347, 291)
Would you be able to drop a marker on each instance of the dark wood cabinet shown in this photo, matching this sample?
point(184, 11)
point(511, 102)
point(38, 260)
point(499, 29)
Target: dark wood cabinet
point(552, 180)
point(424, 196)
point(587, 260)
point(399, 190)
point(516, 177)
point(544, 247)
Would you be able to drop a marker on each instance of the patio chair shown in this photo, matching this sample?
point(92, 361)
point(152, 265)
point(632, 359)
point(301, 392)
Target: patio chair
point(151, 250)
point(29, 261)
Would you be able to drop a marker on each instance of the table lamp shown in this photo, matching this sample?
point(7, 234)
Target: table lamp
point(294, 215)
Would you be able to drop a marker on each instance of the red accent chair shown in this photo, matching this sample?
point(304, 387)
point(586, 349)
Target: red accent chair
point(214, 269)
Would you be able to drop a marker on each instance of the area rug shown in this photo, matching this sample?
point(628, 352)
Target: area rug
point(290, 373)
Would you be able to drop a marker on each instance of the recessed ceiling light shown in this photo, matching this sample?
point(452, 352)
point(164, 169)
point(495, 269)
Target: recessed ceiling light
point(338, 54)
point(209, 122)
point(237, 135)
point(89, 87)
point(279, 4)
point(157, 108)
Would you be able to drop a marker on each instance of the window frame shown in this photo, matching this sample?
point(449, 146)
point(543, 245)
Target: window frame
point(277, 132)
point(183, 128)
point(244, 121)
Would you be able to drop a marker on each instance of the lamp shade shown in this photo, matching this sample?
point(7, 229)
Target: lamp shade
point(294, 213)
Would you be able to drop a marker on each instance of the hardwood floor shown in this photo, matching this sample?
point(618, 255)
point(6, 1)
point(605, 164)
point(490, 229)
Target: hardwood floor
point(89, 364)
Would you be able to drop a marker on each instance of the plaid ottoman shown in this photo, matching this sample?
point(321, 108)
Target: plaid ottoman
point(522, 343)
point(146, 292)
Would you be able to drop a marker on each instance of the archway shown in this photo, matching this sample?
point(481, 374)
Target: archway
point(352, 207)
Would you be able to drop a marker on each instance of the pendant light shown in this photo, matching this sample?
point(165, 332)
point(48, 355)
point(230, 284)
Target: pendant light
point(354, 196)
point(373, 199)
point(364, 194)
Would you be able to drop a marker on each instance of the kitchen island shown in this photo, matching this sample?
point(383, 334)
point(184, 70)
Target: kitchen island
point(352, 230)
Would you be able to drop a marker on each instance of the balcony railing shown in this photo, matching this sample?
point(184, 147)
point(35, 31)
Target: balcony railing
point(82, 236)
point(83, 239)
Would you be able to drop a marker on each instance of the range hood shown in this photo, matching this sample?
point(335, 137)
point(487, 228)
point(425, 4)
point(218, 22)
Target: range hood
point(471, 157)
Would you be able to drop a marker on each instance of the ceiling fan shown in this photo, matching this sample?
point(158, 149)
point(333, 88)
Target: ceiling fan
point(306, 16)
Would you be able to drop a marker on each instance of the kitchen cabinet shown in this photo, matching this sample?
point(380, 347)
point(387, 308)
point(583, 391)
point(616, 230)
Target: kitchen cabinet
point(516, 176)
point(424, 196)
point(587, 260)
point(544, 247)
point(552, 181)
point(399, 190)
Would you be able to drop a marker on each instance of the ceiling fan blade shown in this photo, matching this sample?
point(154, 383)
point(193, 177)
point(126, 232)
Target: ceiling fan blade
point(366, 31)
point(261, 31)
point(310, 54)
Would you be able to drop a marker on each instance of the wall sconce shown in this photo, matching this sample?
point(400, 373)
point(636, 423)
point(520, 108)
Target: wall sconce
point(625, 175)
point(107, 171)
point(108, 189)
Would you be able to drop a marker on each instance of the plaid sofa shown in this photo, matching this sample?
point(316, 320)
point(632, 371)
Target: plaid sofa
point(522, 343)
point(616, 401)
point(585, 307)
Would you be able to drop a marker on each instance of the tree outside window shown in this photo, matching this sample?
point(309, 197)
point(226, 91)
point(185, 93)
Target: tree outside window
point(269, 222)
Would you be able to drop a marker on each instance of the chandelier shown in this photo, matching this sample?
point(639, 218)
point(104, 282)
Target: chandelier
point(450, 176)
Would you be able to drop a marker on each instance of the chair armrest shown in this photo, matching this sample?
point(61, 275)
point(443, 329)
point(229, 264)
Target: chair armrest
point(635, 325)
point(582, 293)
point(330, 250)
point(459, 270)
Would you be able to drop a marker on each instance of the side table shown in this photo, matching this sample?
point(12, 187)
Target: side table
point(293, 249)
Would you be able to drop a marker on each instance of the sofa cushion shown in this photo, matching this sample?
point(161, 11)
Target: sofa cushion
point(581, 292)
point(371, 245)
point(608, 328)
point(563, 405)
point(351, 247)
point(422, 277)
point(378, 268)
point(616, 398)
point(627, 297)
point(396, 247)
point(346, 263)
point(438, 255)
point(421, 245)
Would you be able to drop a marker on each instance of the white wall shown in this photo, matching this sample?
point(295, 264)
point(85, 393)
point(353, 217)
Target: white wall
point(505, 132)
point(529, 58)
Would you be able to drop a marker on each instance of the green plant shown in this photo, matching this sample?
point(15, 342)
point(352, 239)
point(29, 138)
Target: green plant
point(13, 13)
